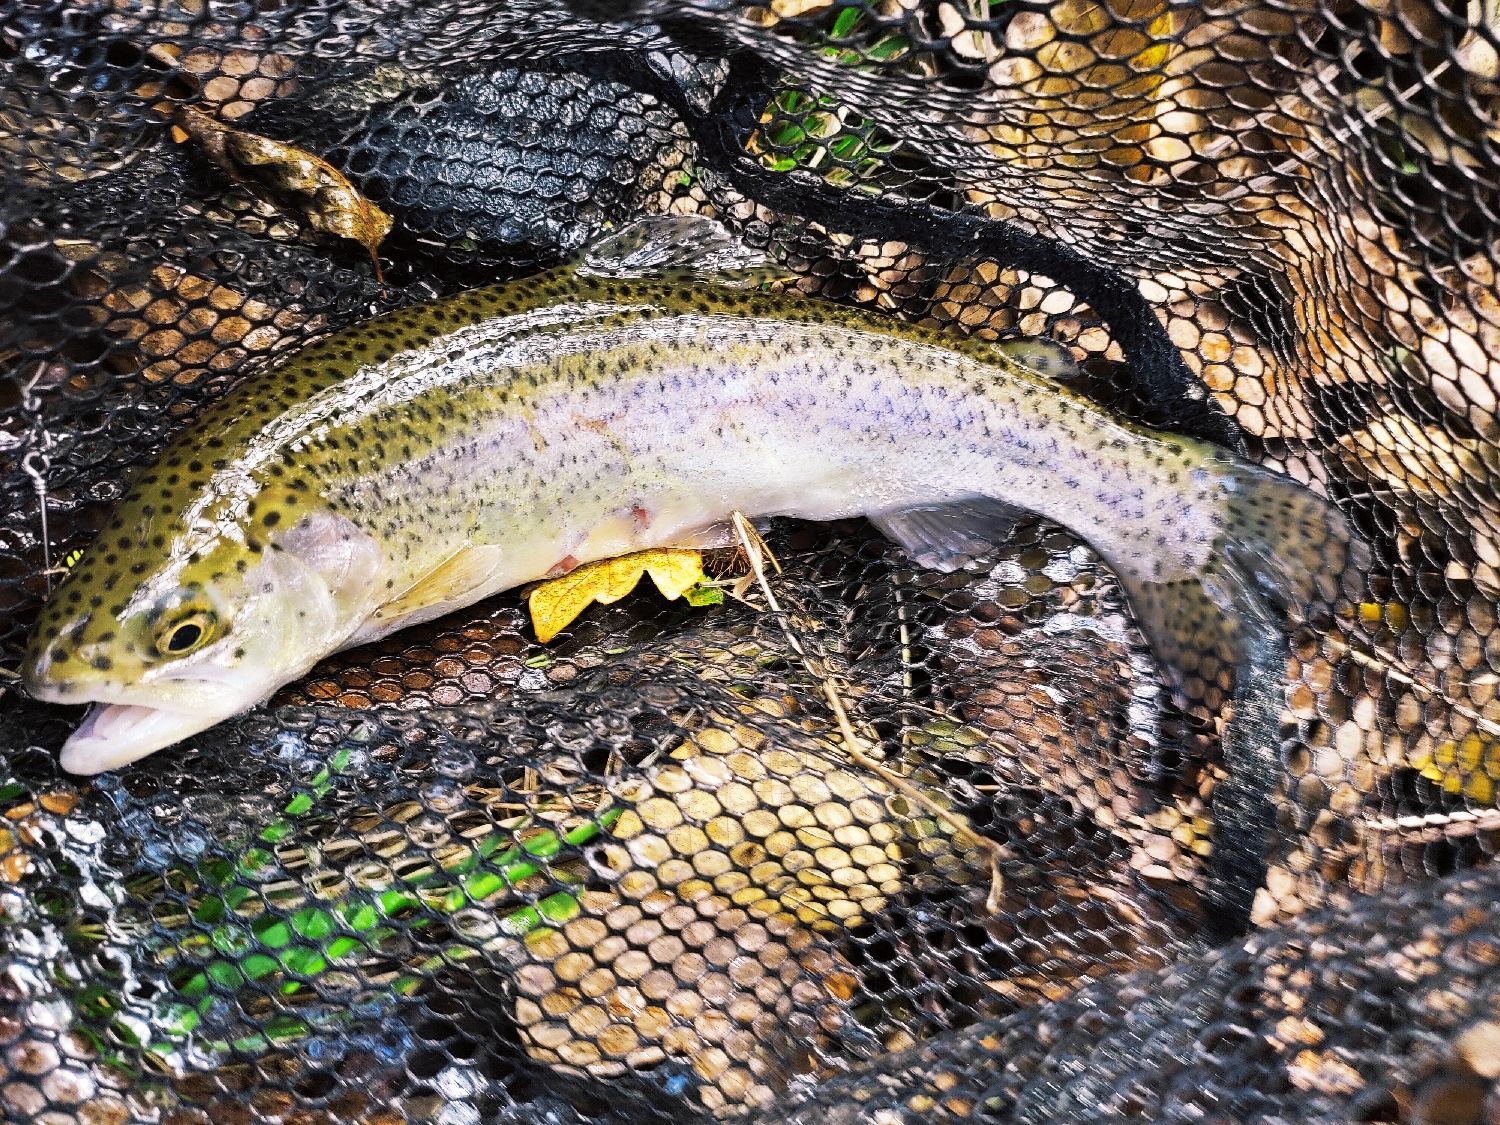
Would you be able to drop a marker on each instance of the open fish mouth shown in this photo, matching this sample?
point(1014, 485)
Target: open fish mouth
point(116, 734)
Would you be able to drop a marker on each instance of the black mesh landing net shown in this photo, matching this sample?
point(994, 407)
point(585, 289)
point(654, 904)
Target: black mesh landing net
point(904, 846)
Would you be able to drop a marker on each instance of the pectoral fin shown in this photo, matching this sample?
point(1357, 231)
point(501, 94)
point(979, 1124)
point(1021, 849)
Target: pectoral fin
point(948, 536)
point(456, 582)
point(710, 537)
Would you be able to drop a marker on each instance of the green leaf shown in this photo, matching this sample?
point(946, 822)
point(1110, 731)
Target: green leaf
point(847, 21)
point(794, 102)
point(555, 909)
point(888, 48)
point(313, 923)
point(704, 594)
point(784, 134)
point(303, 962)
point(278, 950)
point(362, 917)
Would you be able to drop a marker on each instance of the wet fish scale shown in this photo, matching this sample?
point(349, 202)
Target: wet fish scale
point(439, 454)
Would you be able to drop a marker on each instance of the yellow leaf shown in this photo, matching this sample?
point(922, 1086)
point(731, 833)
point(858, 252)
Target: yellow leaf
point(555, 604)
point(291, 177)
point(1469, 767)
point(1392, 614)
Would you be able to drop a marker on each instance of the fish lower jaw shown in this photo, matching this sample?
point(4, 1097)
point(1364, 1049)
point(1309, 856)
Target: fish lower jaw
point(115, 734)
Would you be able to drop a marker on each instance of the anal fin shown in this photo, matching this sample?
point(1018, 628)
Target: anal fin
point(946, 537)
point(711, 536)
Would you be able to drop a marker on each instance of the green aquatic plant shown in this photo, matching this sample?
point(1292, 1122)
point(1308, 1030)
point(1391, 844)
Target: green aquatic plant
point(238, 943)
point(819, 135)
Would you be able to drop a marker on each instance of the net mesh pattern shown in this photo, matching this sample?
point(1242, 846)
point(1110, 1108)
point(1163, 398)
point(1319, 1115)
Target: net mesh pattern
point(904, 845)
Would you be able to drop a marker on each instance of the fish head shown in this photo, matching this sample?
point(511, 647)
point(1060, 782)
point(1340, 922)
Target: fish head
point(169, 636)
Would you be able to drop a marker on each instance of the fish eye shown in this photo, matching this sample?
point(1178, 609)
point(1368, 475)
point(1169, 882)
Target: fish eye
point(186, 633)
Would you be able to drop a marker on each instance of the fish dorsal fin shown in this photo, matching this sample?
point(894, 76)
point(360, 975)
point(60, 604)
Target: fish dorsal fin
point(948, 536)
point(1041, 355)
point(685, 246)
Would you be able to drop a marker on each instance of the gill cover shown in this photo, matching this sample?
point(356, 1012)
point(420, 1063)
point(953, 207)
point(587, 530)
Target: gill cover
point(273, 618)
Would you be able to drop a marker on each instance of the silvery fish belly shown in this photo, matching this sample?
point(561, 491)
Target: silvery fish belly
point(427, 459)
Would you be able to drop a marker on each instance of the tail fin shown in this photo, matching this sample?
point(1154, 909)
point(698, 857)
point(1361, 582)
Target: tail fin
point(1283, 557)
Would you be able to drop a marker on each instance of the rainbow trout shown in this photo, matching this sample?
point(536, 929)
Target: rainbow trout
point(434, 456)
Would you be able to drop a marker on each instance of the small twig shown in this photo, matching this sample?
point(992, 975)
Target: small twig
point(755, 548)
point(908, 687)
point(1433, 827)
point(1385, 664)
point(853, 745)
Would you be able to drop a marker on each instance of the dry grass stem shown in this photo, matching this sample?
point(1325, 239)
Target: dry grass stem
point(854, 746)
point(1434, 827)
point(1386, 665)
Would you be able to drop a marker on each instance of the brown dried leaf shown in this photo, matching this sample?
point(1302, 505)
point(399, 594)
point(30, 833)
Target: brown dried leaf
point(229, 82)
point(1407, 456)
point(310, 186)
point(1479, 1048)
point(58, 804)
point(21, 834)
point(14, 862)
